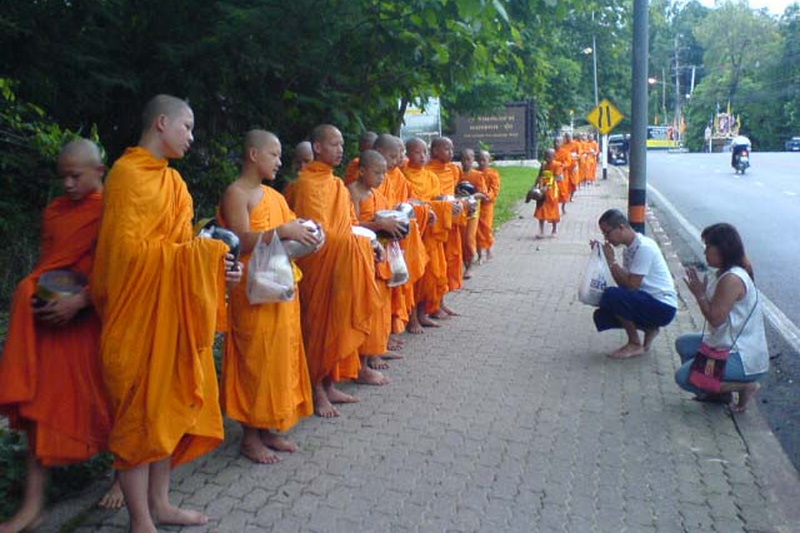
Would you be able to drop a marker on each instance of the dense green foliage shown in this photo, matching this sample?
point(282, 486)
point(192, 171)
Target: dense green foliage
point(514, 183)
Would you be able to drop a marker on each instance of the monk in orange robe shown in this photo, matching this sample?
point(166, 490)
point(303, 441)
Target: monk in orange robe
point(594, 152)
point(396, 189)
point(491, 179)
point(470, 235)
point(367, 201)
point(430, 289)
point(449, 174)
point(572, 171)
point(547, 210)
point(365, 142)
point(50, 384)
point(338, 294)
point(156, 288)
point(564, 156)
point(265, 375)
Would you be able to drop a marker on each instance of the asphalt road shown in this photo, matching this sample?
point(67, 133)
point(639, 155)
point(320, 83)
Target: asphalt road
point(764, 205)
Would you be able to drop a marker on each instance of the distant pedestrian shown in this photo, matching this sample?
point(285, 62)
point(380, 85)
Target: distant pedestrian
point(734, 320)
point(645, 297)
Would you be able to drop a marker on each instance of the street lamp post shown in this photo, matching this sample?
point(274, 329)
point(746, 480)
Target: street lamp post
point(604, 138)
point(653, 81)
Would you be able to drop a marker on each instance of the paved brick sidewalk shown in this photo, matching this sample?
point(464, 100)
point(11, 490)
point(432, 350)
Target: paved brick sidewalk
point(509, 418)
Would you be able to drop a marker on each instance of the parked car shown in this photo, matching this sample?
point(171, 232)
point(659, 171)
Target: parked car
point(618, 146)
point(793, 144)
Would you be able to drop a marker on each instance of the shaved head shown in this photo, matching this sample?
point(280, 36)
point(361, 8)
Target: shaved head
point(259, 139)
point(82, 150)
point(367, 140)
point(162, 104)
point(322, 132)
point(387, 142)
point(413, 143)
point(304, 149)
point(369, 158)
point(436, 142)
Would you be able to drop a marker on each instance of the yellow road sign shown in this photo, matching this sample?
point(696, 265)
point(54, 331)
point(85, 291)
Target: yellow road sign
point(605, 117)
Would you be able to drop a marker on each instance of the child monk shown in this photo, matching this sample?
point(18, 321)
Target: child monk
point(491, 178)
point(365, 142)
point(431, 288)
point(367, 201)
point(265, 375)
point(470, 236)
point(449, 174)
point(156, 287)
point(566, 188)
point(303, 155)
point(548, 180)
point(50, 384)
point(337, 293)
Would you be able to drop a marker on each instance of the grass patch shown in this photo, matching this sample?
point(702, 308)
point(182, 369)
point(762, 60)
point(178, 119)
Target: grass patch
point(514, 184)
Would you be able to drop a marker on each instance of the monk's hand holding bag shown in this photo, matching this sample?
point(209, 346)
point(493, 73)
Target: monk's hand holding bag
point(596, 278)
point(270, 276)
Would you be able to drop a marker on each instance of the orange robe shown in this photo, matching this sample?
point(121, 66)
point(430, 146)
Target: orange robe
point(449, 175)
point(380, 325)
point(433, 284)
point(594, 152)
point(572, 171)
point(566, 186)
point(264, 372)
point(485, 237)
point(156, 288)
point(396, 189)
point(352, 171)
point(548, 210)
point(50, 383)
point(470, 235)
point(338, 293)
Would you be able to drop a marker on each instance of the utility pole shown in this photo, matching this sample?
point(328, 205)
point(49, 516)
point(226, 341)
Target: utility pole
point(637, 183)
point(677, 121)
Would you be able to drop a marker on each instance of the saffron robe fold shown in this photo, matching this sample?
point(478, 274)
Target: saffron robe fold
point(449, 175)
point(264, 372)
point(352, 170)
point(156, 288)
point(338, 293)
point(470, 235)
point(567, 186)
point(548, 210)
point(380, 324)
point(50, 382)
point(485, 237)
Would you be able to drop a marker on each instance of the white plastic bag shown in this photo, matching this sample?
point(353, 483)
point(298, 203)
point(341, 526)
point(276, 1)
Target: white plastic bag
point(397, 264)
point(270, 277)
point(596, 278)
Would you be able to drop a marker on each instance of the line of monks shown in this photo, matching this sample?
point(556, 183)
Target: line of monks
point(125, 364)
point(572, 164)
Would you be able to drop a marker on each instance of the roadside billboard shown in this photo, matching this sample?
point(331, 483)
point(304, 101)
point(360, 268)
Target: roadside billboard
point(423, 119)
point(507, 132)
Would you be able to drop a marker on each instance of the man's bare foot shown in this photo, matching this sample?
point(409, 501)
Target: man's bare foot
point(322, 405)
point(439, 315)
point(395, 343)
point(426, 322)
point(254, 449)
point(367, 376)
point(337, 396)
point(277, 442)
point(449, 311)
point(113, 499)
point(413, 325)
point(649, 337)
point(628, 351)
point(24, 520)
point(170, 514)
point(376, 363)
point(392, 355)
point(745, 395)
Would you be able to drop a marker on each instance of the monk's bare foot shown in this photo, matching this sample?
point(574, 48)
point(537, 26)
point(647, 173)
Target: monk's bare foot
point(390, 354)
point(414, 327)
point(367, 376)
point(395, 343)
point(170, 514)
point(337, 396)
point(322, 405)
point(426, 322)
point(468, 272)
point(278, 443)
point(539, 236)
point(113, 499)
point(489, 255)
point(628, 351)
point(440, 315)
point(24, 520)
point(449, 311)
point(649, 337)
point(745, 395)
point(376, 363)
point(253, 448)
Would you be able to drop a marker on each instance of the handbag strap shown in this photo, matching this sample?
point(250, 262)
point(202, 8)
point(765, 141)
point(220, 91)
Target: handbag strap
point(746, 320)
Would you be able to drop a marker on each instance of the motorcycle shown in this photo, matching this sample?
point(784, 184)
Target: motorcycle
point(742, 162)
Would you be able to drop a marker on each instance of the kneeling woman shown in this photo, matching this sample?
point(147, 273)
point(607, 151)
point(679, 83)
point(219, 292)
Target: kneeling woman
point(733, 317)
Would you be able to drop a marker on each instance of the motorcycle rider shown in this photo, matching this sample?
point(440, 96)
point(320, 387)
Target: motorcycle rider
point(739, 144)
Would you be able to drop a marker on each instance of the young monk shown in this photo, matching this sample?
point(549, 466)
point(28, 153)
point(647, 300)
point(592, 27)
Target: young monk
point(265, 375)
point(337, 293)
point(396, 189)
point(449, 174)
point(303, 155)
point(548, 180)
point(470, 237)
point(156, 287)
point(491, 178)
point(50, 384)
point(564, 156)
point(367, 201)
point(429, 291)
point(365, 142)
